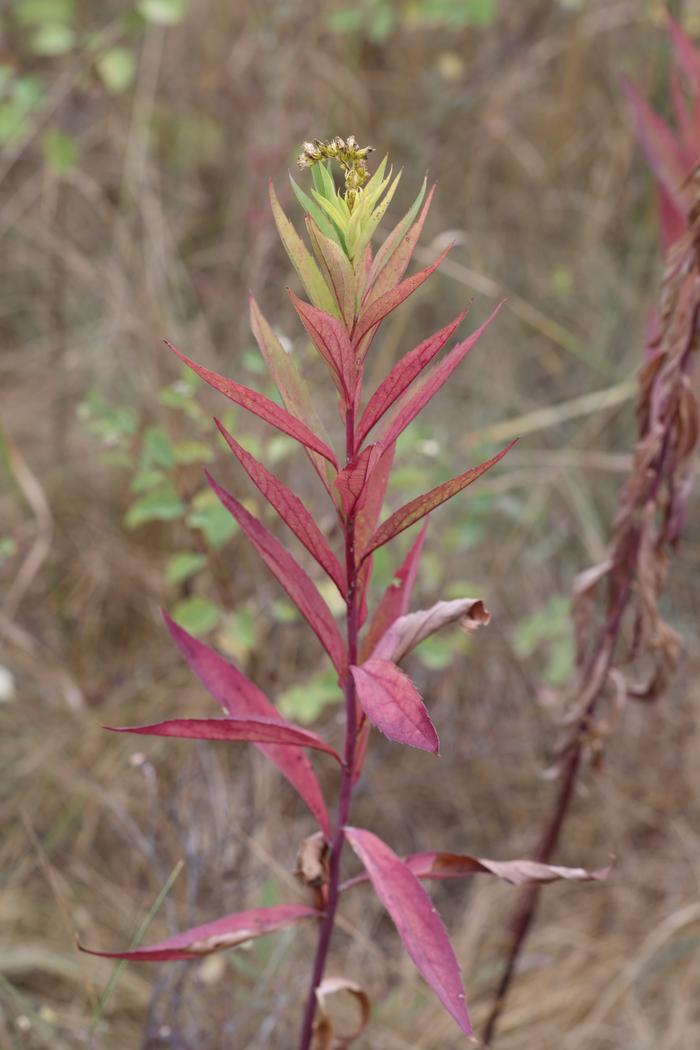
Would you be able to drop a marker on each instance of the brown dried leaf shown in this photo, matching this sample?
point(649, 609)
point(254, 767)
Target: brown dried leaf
point(325, 1039)
point(409, 631)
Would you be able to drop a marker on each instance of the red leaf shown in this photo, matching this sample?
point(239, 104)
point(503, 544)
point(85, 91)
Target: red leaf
point(217, 936)
point(376, 311)
point(294, 391)
point(418, 923)
point(662, 151)
point(366, 520)
point(393, 704)
point(353, 481)
point(261, 406)
point(290, 575)
point(411, 512)
point(330, 337)
point(688, 56)
point(434, 381)
point(241, 698)
point(396, 598)
point(402, 375)
point(392, 259)
point(290, 509)
point(243, 730)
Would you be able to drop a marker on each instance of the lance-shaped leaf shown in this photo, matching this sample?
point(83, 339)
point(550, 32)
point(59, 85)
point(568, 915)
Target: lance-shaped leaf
point(434, 381)
point(294, 391)
point(290, 575)
point(301, 259)
point(660, 146)
point(410, 630)
point(366, 520)
point(354, 480)
point(419, 926)
point(393, 704)
point(402, 375)
point(395, 240)
point(217, 936)
point(234, 730)
point(241, 698)
point(337, 271)
point(417, 508)
point(688, 56)
point(260, 406)
point(331, 339)
point(396, 598)
point(517, 872)
point(376, 311)
point(290, 508)
point(393, 257)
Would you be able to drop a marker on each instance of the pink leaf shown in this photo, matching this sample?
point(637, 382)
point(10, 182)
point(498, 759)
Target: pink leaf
point(243, 730)
point(660, 146)
point(294, 391)
point(411, 512)
point(290, 509)
point(402, 375)
point(374, 313)
point(396, 598)
point(367, 517)
point(217, 936)
point(260, 406)
point(290, 575)
point(241, 698)
point(393, 704)
point(437, 378)
point(418, 923)
point(688, 56)
point(409, 631)
point(353, 481)
point(332, 341)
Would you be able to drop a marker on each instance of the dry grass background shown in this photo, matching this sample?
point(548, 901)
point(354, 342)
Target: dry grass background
point(158, 230)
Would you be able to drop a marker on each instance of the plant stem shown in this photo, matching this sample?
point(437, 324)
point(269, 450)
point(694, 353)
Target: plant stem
point(346, 784)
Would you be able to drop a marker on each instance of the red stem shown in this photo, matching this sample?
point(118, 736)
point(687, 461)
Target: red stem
point(346, 785)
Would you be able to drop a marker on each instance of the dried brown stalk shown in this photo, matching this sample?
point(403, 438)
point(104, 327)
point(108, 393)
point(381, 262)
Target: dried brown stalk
point(624, 649)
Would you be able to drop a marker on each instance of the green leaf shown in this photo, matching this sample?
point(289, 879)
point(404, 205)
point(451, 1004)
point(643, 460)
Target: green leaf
point(146, 478)
point(54, 38)
point(162, 504)
point(157, 448)
point(209, 515)
point(304, 703)
point(39, 12)
point(193, 452)
point(110, 423)
point(117, 68)
point(60, 150)
point(238, 637)
point(162, 12)
point(345, 20)
point(183, 565)
point(196, 615)
point(8, 546)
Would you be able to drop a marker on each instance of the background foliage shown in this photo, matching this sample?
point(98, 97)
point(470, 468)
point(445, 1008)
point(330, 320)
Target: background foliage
point(136, 141)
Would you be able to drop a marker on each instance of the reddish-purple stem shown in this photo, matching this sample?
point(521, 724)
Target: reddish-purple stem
point(345, 800)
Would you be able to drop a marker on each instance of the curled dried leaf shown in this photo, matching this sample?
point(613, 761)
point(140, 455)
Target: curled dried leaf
point(409, 631)
point(325, 1037)
point(312, 861)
